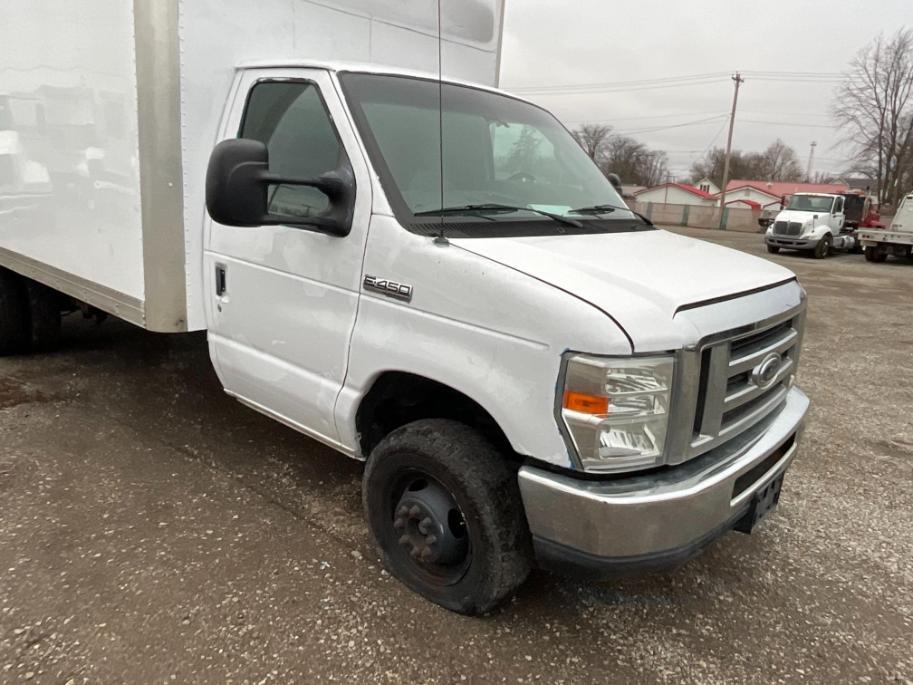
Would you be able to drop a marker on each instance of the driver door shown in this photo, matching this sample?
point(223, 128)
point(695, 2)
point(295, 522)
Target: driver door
point(281, 300)
point(838, 216)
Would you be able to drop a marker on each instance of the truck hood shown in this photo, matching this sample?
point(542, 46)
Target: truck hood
point(800, 217)
point(640, 279)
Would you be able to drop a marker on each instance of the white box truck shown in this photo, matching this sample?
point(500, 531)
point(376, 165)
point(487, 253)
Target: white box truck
point(397, 259)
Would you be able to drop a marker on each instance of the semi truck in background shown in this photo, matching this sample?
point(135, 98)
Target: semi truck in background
point(897, 240)
point(820, 223)
point(397, 259)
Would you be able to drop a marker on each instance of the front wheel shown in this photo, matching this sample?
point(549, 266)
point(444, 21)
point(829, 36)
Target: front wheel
point(823, 248)
point(445, 512)
point(773, 249)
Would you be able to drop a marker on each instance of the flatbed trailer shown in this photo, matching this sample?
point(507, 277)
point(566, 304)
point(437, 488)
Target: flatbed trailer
point(896, 240)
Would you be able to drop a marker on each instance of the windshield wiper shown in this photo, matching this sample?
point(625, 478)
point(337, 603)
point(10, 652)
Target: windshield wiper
point(495, 207)
point(608, 209)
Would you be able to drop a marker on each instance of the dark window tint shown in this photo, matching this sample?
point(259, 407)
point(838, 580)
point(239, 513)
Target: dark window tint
point(292, 119)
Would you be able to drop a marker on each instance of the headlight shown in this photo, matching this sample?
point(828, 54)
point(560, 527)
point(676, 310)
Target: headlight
point(617, 410)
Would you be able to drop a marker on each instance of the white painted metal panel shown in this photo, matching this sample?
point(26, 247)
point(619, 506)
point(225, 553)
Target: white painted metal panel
point(219, 35)
point(487, 330)
point(280, 332)
point(95, 189)
point(69, 177)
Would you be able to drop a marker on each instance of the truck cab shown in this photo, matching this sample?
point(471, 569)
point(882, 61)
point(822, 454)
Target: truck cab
point(814, 222)
point(435, 278)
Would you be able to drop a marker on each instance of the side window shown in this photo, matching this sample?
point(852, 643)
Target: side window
point(838, 206)
point(291, 118)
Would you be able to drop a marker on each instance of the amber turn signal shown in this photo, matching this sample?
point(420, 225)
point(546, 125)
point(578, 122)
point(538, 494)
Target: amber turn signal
point(586, 404)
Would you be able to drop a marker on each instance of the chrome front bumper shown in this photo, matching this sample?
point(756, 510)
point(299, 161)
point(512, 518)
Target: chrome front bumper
point(662, 518)
point(791, 242)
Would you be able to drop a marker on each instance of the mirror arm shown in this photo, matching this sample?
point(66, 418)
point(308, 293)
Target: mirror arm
point(333, 184)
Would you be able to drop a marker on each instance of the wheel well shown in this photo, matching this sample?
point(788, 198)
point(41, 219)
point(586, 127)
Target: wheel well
point(398, 398)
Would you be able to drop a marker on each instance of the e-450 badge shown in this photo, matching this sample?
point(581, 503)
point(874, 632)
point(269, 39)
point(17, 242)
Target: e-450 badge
point(398, 291)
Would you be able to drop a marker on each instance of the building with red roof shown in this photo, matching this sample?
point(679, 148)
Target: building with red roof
point(754, 195)
point(771, 193)
point(676, 194)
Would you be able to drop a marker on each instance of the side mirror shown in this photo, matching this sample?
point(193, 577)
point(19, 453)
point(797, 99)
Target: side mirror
point(238, 184)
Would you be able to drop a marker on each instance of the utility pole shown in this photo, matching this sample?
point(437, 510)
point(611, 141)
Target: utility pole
point(735, 100)
point(811, 156)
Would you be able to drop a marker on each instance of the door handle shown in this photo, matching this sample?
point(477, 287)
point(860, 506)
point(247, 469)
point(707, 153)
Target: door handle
point(221, 280)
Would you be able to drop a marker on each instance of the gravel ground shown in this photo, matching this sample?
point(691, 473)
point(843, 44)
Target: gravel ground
point(152, 530)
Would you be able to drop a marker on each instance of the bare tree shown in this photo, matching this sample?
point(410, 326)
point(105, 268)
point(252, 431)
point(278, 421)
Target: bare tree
point(711, 166)
point(874, 109)
point(778, 162)
point(633, 161)
point(592, 138)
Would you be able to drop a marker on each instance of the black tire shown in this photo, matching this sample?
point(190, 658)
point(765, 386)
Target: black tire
point(490, 552)
point(876, 254)
point(773, 249)
point(44, 317)
point(823, 248)
point(14, 321)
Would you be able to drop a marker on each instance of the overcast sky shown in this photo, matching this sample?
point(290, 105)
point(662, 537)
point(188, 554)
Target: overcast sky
point(572, 42)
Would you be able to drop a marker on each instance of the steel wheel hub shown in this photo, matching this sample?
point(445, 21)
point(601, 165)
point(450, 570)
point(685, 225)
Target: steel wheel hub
point(429, 524)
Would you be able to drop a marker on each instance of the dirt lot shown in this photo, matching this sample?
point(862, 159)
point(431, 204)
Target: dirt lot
point(151, 530)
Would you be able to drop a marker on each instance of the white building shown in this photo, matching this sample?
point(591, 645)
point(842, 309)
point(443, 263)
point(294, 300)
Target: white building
point(707, 186)
point(751, 194)
point(675, 194)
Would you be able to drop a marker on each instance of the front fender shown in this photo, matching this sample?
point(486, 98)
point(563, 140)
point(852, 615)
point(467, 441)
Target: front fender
point(490, 332)
point(817, 233)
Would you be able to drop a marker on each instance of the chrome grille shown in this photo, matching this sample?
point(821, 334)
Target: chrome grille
point(787, 228)
point(733, 393)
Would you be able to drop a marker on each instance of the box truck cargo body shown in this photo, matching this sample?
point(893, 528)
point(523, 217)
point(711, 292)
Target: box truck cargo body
point(394, 257)
point(109, 111)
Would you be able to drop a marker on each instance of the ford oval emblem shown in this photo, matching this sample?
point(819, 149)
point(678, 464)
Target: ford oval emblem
point(765, 373)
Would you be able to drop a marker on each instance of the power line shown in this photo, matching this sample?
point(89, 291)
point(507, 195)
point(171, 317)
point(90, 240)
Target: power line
point(827, 74)
point(823, 77)
point(797, 80)
point(637, 117)
point(682, 125)
point(629, 82)
point(787, 114)
point(618, 86)
point(627, 89)
point(784, 123)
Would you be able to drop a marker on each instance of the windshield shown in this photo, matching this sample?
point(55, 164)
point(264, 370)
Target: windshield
point(811, 203)
point(504, 160)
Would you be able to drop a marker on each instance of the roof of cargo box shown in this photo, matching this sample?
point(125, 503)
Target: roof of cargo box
point(367, 68)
